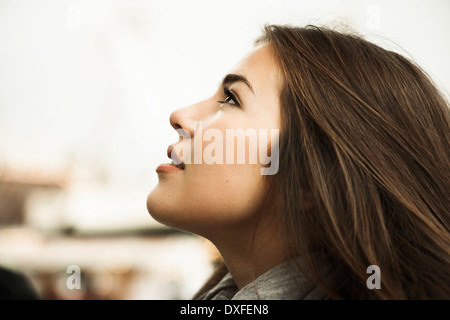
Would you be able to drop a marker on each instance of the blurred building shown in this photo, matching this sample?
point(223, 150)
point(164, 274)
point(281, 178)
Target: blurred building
point(18, 183)
point(41, 240)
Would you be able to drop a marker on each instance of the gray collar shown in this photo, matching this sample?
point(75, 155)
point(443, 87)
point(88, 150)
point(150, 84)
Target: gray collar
point(283, 282)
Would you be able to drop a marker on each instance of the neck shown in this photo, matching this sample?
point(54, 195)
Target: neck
point(250, 251)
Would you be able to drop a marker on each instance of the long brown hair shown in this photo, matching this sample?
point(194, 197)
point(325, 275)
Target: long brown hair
point(365, 135)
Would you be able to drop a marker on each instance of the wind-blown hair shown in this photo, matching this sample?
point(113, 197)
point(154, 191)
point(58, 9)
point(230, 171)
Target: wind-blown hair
point(364, 173)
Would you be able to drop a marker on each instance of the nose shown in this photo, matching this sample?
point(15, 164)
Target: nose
point(186, 118)
point(183, 119)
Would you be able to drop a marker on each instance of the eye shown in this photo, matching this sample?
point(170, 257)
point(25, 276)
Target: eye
point(229, 98)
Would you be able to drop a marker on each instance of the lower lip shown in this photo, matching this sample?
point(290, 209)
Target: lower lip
point(165, 167)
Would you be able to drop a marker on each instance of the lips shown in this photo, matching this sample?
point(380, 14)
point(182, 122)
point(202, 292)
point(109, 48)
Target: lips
point(176, 161)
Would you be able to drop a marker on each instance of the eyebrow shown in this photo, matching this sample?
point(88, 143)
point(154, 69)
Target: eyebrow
point(232, 78)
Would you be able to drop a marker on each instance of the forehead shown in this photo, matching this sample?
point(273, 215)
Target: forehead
point(260, 67)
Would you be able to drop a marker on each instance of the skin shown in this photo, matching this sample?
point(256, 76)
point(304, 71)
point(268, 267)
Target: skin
point(221, 202)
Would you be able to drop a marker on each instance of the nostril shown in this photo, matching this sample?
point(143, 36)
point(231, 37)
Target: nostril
point(175, 120)
point(180, 120)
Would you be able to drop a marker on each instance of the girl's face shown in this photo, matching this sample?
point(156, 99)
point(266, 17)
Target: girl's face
point(220, 186)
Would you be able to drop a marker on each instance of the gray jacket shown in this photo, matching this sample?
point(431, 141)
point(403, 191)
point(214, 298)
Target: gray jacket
point(283, 282)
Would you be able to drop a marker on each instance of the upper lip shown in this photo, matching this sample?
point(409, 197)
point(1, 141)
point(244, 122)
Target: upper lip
point(175, 158)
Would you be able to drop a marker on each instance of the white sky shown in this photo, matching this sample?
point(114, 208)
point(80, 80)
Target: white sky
point(93, 82)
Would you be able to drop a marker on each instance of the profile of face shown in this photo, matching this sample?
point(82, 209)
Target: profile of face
point(214, 199)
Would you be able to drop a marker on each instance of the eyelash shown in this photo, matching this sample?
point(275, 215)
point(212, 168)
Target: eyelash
point(229, 96)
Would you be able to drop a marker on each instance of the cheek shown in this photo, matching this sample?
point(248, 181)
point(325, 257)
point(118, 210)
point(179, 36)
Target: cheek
point(211, 197)
point(208, 197)
point(226, 192)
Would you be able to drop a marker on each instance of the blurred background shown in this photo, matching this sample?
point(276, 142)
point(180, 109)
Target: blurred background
point(86, 90)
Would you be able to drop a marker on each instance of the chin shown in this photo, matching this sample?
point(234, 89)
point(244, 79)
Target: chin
point(160, 209)
point(155, 206)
